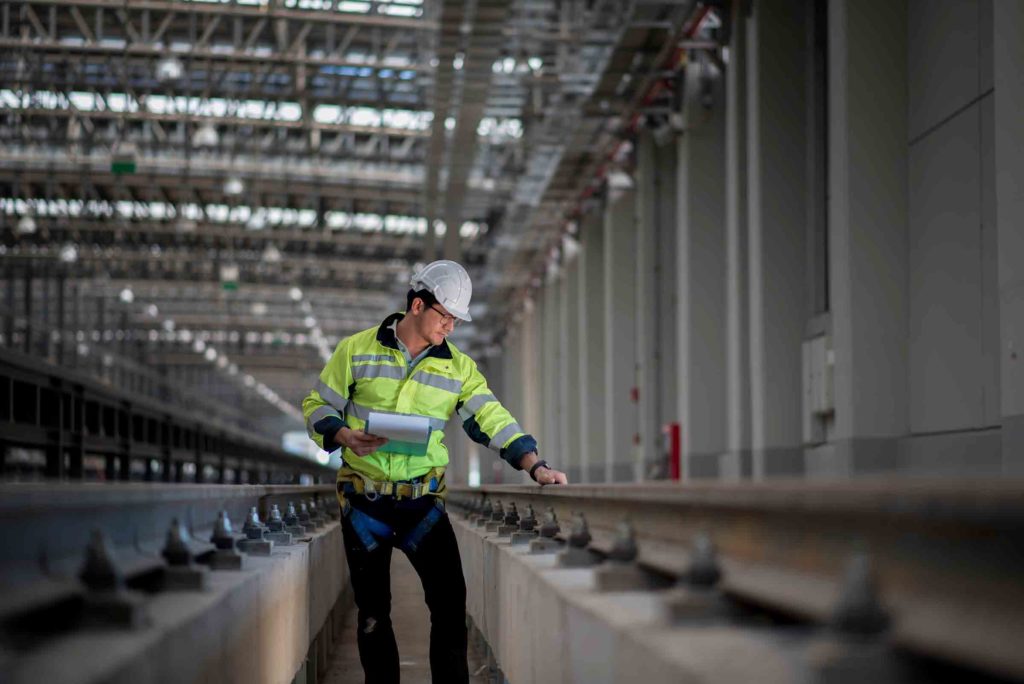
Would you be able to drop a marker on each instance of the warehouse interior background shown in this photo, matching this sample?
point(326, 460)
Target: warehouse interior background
point(751, 271)
point(790, 229)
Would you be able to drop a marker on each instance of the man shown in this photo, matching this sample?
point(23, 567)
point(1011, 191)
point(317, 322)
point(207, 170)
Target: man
point(396, 498)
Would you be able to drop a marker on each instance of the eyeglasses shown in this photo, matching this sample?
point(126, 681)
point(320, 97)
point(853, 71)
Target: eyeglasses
point(446, 318)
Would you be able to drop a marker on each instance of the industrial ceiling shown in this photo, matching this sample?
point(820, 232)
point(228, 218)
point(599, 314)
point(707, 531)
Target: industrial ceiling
point(260, 177)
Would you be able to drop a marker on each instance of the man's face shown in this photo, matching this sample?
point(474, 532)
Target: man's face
point(434, 321)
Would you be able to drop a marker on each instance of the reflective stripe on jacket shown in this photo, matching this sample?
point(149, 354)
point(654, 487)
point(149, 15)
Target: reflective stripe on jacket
point(368, 372)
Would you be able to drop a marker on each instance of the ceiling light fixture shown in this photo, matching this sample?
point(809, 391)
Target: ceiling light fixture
point(234, 186)
point(169, 69)
point(206, 135)
point(69, 253)
point(26, 225)
point(271, 255)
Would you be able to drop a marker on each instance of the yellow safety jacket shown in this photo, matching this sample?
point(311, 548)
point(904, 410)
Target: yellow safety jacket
point(368, 372)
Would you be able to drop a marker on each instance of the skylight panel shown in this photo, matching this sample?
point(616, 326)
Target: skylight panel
point(354, 7)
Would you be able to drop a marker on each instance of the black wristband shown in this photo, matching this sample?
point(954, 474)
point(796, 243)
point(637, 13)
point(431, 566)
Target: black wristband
point(533, 468)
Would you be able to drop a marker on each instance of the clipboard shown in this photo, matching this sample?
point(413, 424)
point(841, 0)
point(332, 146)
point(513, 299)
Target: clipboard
point(406, 434)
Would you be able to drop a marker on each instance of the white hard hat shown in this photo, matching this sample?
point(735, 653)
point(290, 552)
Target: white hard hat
point(450, 285)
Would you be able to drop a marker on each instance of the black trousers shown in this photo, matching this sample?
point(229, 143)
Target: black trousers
point(437, 562)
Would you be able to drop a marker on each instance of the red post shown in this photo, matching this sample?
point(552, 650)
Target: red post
point(673, 432)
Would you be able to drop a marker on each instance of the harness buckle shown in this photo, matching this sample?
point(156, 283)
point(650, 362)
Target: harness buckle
point(369, 490)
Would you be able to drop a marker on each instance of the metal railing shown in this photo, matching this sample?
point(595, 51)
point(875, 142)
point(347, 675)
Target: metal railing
point(85, 429)
point(103, 361)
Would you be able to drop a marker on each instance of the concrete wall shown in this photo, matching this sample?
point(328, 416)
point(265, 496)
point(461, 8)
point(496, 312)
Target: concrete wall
point(954, 379)
point(1008, 133)
point(822, 269)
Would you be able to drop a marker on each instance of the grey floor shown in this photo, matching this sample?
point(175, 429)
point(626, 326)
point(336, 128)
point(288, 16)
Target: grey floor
point(412, 629)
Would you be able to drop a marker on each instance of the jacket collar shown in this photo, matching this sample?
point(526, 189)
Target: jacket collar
point(386, 336)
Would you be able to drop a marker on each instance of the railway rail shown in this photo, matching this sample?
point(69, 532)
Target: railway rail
point(901, 582)
point(148, 582)
point(933, 570)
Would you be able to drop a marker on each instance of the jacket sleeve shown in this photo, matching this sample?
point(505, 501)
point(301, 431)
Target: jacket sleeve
point(324, 407)
point(489, 423)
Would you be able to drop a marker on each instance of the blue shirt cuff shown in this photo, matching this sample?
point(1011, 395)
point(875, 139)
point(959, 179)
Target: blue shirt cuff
point(514, 452)
point(328, 427)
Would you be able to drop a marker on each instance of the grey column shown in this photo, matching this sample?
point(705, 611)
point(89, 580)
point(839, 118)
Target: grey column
point(776, 205)
point(647, 340)
point(868, 235)
point(508, 387)
point(570, 461)
point(560, 291)
point(737, 327)
point(458, 468)
point(544, 362)
point(1008, 54)
point(665, 330)
point(620, 342)
point(511, 392)
point(533, 400)
point(551, 368)
point(667, 267)
point(593, 378)
point(701, 257)
point(538, 399)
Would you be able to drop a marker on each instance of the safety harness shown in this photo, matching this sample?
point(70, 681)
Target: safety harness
point(369, 529)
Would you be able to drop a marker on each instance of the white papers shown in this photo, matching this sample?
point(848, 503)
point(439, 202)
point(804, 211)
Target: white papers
point(412, 429)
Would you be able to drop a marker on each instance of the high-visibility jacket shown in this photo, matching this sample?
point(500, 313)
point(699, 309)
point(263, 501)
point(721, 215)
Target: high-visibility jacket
point(368, 372)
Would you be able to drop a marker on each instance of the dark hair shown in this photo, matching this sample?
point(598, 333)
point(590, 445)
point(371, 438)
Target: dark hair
point(427, 297)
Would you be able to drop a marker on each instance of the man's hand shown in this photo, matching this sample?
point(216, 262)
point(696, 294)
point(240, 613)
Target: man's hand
point(543, 475)
point(546, 476)
point(362, 443)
